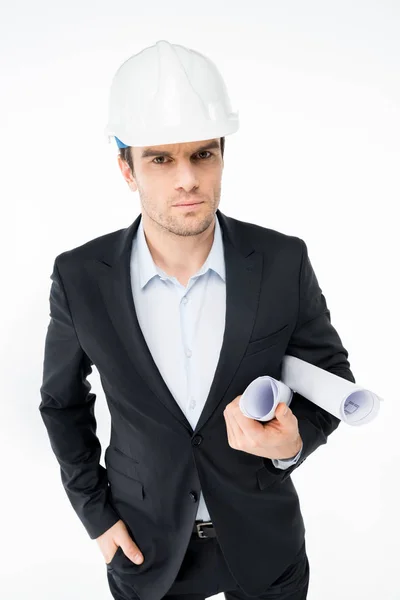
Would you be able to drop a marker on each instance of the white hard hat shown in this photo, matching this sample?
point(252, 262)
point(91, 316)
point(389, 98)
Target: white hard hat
point(168, 94)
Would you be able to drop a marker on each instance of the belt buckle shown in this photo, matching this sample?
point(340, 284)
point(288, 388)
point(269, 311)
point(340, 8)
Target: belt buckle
point(201, 533)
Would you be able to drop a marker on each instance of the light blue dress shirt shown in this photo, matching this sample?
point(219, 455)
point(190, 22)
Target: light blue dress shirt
point(184, 327)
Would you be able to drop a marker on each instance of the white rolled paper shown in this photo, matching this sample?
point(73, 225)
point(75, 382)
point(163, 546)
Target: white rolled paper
point(261, 397)
point(344, 399)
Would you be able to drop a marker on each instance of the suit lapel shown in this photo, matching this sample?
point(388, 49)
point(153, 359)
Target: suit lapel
point(243, 281)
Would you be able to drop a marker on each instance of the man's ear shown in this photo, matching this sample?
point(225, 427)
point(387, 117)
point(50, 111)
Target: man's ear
point(133, 184)
point(127, 174)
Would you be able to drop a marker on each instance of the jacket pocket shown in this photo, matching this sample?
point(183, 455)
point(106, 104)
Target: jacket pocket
point(267, 341)
point(119, 464)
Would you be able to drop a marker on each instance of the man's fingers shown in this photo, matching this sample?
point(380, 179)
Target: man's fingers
point(119, 536)
point(231, 437)
point(130, 550)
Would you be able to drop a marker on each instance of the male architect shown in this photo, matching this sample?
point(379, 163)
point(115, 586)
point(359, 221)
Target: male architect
point(179, 312)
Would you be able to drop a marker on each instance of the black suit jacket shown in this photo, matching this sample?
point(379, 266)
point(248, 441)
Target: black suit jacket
point(155, 463)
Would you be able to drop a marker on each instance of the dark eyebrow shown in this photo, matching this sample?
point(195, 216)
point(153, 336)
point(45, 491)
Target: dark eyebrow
point(152, 152)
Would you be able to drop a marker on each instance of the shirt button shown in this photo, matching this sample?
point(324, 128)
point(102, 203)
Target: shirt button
point(184, 300)
point(188, 353)
point(192, 403)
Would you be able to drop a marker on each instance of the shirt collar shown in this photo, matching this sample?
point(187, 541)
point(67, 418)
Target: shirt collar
point(148, 269)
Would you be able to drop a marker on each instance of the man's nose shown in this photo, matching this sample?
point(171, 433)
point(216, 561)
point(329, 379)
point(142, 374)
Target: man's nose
point(186, 177)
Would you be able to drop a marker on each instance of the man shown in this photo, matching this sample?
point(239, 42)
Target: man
point(179, 312)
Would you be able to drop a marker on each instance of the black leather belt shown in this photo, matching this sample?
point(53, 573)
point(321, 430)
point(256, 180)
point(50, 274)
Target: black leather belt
point(204, 529)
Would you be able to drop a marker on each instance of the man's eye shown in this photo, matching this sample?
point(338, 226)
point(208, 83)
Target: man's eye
point(198, 154)
point(205, 152)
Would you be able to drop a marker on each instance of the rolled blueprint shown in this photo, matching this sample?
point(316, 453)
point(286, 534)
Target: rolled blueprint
point(344, 399)
point(261, 397)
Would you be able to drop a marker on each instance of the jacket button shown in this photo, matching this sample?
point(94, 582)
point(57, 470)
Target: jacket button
point(196, 441)
point(193, 496)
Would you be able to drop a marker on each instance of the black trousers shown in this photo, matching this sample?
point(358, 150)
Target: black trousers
point(204, 573)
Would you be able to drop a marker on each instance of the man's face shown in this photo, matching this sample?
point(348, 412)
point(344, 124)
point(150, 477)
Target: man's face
point(173, 173)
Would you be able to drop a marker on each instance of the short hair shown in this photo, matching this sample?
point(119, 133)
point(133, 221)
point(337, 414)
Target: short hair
point(126, 154)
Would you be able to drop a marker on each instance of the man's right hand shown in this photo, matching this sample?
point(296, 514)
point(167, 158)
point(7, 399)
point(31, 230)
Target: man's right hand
point(116, 536)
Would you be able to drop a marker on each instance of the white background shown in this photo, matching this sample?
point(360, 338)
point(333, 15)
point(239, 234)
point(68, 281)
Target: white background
point(316, 156)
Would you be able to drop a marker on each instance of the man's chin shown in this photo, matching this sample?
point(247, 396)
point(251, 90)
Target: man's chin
point(191, 226)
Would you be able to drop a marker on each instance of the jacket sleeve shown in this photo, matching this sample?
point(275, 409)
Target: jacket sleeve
point(316, 341)
point(67, 410)
point(285, 463)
